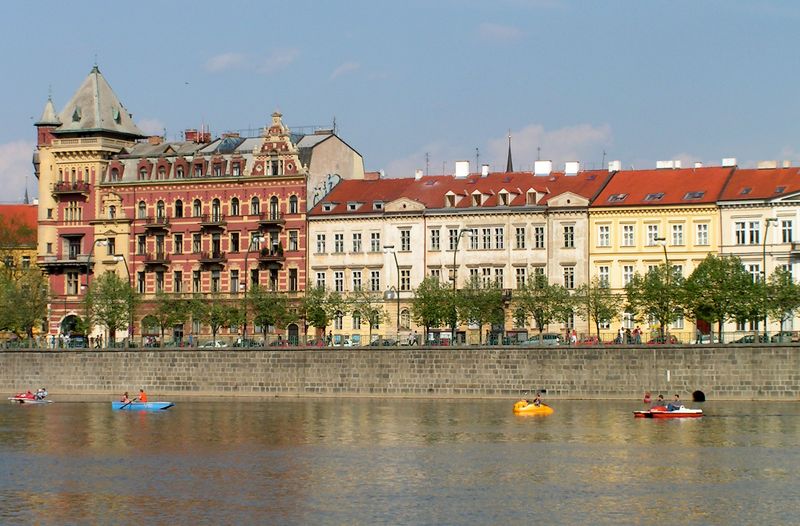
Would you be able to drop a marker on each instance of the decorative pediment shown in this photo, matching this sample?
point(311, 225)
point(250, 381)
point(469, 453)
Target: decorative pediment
point(567, 199)
point(404, 204)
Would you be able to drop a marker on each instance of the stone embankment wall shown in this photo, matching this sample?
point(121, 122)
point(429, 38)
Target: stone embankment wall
point(721, 372)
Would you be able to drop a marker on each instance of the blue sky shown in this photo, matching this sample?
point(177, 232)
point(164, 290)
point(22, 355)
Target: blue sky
point(641, 80)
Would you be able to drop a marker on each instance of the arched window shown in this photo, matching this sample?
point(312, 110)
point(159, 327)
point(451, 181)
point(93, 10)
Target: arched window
point(142, 173)
point(338, 320)
point(356, 320)
point(142, 210)
point(255, 206)
point(115, 174)
point(405, 319)
point(215, 210)
point(162, 173)
point(197, 208)
point(160, 210)
point(273, 207)
point(178, 208)
point(112, 212)
point(179, 172)
point(235, 206)
point(293, 204)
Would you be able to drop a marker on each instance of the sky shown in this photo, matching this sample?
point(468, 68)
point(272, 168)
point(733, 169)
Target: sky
point(420, 84)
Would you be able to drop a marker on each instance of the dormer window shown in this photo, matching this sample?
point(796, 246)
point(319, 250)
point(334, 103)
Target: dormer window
point(746, 190)
point(693, 195)
point(115, 174)
point(377, 205)
point(780, 189)
point(217, 170)
point(654, 197)
point(449, 201)
point(327, 207)
point(352, 206)
point(476, 199)
point(504, 198)
point(179, 172)
point(236, 169)
point(617, 198)
point(198, 170)
point(530, 198)
point(76, 115)
point(162, 173)
point(142, 174)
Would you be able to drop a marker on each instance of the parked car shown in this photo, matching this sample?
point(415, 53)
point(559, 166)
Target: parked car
point(383, 342)
point(750, 338)
point(77, 342)
point(281, 343)
point(706, 338)
point(664, 340)
point(213, 344)
point(547, 338)
point(783, 337)
point(247, 342)
point(317, 342)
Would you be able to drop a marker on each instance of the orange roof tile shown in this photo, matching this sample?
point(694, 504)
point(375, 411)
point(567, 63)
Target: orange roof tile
point(770, 183)
point(15, 216)
point(679, 186)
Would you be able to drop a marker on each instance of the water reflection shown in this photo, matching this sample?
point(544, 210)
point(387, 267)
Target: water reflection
point(372, 461)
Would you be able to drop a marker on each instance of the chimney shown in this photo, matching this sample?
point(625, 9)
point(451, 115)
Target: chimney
point(767, 165)
point(484, 170)
point(542, 167)
point(572, 168)
point(614, 166)
point(230, 135)
point(35, 200)
point(698, 165)
point(154, 140)
point(417, 174)
point(661, 165)
point(787, 164)
point(190, 135)
point(729, 162)
point(462, 169)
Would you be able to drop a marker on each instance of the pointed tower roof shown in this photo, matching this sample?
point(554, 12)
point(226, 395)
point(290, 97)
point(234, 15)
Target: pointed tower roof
point(48, 117)
point(96, 108)
point(509, 164)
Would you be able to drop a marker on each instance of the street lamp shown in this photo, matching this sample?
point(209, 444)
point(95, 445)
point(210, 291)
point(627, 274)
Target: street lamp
point(254, 241)
point(99, 241)
point(768, 221)
point(461, 232)
point(121, 257)
point(663, 242)
point(388, 249)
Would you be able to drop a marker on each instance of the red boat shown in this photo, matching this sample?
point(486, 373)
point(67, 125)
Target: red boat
point(662, 412)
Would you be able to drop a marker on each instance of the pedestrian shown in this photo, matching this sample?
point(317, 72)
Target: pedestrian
point(573, 337)
point(637, 335)
point(621, 335)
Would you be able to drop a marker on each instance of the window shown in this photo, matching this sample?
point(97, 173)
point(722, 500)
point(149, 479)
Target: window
point(177, 244)
point(405, 279)
point(499, 238)
point(72, 283)
point(142, 210)
point(487, 238)
point(320, 280)
point(603, 275)
point(436, 273)
point(234, 242)
point(198, 170)
point(111, 246)
point(627, 236)
point(26, 262)
point(740, 232)
point(627, 320)
point(196, 277)
point(499, 277)
point(178, 209)
point(161, 212)
point(320, 243)
point(177, 281)
point(405, 319)
point(652, 234)
point(569, 277)
point(356, 320)
point(236, 170)
point(357, 242)
point(453, 235)
point(255, 276)
point(487, 276)
point(141, 244)
point(701, 234)
point(338, 243)
point(356, 275)
point(338, 320)
point(435, 239)
point(617, 198)
point(112, 212)
point(217, 170)
point(274, 208)
point(569, 236)
point(375, 242)
point(691, 196)
point(405, 240)
point(654, 197)
point(216, 210)
point(519, 237)
point(538, 236)
point(375, 280)
point(50, 213)
point(755, 272)
point(293, 279)
point(786, 231)
point(338, 281)
point(235, 206)
point(179, 173)
point(473, 238)
point(140, 282)
point(627, 274)
point(677, 234)
point(197, 208)
point(521, 276)
point(293, 240)
point(293, 209)
point(255, 206)
point(160, 281)
point(604, 236)
point(49, 248)
point(754, 232)
point(197, 242)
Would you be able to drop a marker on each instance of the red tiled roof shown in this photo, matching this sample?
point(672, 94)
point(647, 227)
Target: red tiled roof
point(14, 216)
point(679, 186)
point(770, 183)
point(431, 190)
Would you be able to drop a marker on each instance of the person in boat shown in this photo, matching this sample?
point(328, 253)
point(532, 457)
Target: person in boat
point(142, 395)
point(675, 404)
point(537, 400)
point(41, 393)
point(125, 399)
point(659, 401)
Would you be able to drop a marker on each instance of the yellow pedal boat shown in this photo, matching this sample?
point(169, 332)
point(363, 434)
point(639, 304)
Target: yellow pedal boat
point(523, 407)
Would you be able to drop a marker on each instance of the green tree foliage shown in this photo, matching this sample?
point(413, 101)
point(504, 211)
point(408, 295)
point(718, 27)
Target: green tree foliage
point(110, 302)
point(214, 311)
point(169, 310)
point(268, 308)
point(783, 296)
point(370, 305)
point(429, 307)
point(596, 302)
point(320, 306)
point(657, 295)
point(543, 301)
point(23, 300)
point(719, 290)
point(480, 304)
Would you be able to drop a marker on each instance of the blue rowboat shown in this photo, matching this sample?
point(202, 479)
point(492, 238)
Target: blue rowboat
point(141, 406)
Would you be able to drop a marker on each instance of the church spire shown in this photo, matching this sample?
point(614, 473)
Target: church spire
point(509, 163)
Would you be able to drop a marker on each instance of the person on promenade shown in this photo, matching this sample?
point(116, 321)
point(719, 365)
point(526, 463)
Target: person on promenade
point(142, 395)
point(125, 399)
point(675, 404)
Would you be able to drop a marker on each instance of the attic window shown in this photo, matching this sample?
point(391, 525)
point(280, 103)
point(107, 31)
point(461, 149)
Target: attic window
point(76, 115)
point(449, 201)
point(352, 206)
point(694, 195)
point(654, 197)
point(530, 198)
point(476, 199)
point(506, 179)
point(377, 205)
point(430, 183)
point(617, 198)
point(745, 190)
point(504, 199)
point(327, 207)
point(780, 189)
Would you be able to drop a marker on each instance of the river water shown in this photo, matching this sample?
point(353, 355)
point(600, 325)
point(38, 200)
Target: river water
point(397, 461)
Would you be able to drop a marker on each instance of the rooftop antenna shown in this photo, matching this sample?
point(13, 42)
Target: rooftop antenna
point(443, 163)
point(538, 153)
point(477, 160)
point(334, 124)
point(603, 162)
point(427, 163)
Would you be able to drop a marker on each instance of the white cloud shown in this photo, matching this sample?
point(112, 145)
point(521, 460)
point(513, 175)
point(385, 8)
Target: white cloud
point(277, 60)
point(347, 67)
point(151, 126)
point(225, 61)
point(15, 164)
point(497, 32)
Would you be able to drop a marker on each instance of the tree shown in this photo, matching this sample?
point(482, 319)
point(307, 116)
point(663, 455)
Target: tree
point(481, 303)
point(320, 306)
point(656, 295)
point(169, 311)
point(429, 307)
point(269, 308)
point(110, 302)
point(783, 296)
point(595, 301)
point(546, 303)
point(718, 291)
point(214, 312)
point(370, 305)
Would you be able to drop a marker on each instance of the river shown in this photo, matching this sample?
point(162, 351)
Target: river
point(397, 461)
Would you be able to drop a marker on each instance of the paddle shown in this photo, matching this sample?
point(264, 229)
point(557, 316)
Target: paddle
point(129, 402)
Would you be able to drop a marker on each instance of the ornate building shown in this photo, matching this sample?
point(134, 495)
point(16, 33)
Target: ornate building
point(199, 216)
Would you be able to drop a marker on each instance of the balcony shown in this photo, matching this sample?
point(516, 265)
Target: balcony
point(271, 221)
point(156, 223)
point(158, 259)
point(67, 188)
point(58, 264)
point(212, 221)
point(271, 258)
point(212, 258)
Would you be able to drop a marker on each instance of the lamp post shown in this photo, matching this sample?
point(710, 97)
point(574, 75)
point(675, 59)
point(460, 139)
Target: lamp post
point(98, 241)
point(461, 232)
point(255, 240)
point(663, 242)
point(121, 257)
point(388, 249)
point(768, 221)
